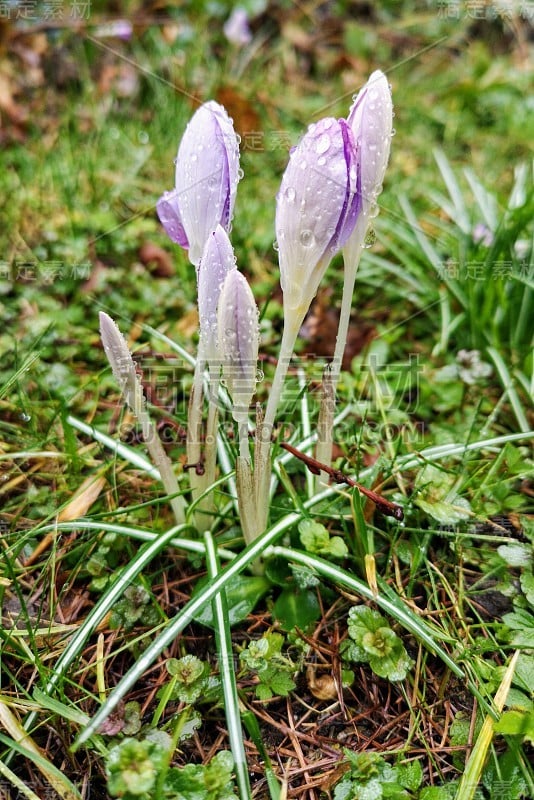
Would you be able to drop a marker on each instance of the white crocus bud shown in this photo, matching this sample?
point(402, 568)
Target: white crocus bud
point(238, 342)
point(371, 122)
point(316, 210)
point(217, 261)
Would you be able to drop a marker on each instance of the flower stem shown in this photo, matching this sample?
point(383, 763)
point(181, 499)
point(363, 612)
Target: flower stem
point(325, 436)
point(262, 474)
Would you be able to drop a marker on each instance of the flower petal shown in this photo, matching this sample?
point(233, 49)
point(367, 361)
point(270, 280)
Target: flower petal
point(207, 173)
point(168, 210)
point(317, 207)
point(371, 120)
point(238, 340)
point(217, 260)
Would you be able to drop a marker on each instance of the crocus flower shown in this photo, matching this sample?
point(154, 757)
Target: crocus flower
point(217, 260)
point(207, 174)
point(316, 209)
point(236, 28)
point(371, 121)
point(238, 341)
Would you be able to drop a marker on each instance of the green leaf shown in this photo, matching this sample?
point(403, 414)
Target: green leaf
point(133, 766)
point(524, 639)
point(527, 585)
point(517, 722)
point(446, 513)
point(263, 692)
point(191, 677)
point(296, 609)
point(316, 539)
point(516, 555)
point(242, 596)
point(313, 536)
point(280, 682)
point(446, 792)
point(362, 620)
point(337, 547)
point(519, 620)
point(376, 643)
point(410, 775)
point(524, 672)
point(438, 499)
point(196, 782)
point(505, 779)
point(394, 667)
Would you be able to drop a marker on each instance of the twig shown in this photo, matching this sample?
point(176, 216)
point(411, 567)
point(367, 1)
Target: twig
point(338, 476)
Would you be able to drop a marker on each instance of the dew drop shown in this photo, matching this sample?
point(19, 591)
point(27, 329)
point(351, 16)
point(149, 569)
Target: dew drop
point(321, 161)
point(276, 246)
point(290, 194)
point(24, 417)
point(393, 131)
point(374, 211)
point(323, 143)
point(143, 137)
point(306, 238)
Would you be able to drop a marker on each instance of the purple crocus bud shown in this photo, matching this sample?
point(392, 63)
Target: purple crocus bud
point(316, 209)
point(371, 121)
point(217, 260)
point(236, 28)
point(207, 174)
point(238, 341)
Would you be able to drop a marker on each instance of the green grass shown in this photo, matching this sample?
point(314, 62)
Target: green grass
point(98, 587)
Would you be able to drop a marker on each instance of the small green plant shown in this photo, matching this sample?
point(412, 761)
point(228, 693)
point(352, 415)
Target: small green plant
point(373, 642)
point(134, 606)
point(370, 777)
point(274, 670)
point(190, 677)
point(316, 539)
point(211, 781)
point(134, 770)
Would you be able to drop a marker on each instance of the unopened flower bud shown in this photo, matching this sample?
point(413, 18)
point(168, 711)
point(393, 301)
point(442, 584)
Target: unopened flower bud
point(207, 174)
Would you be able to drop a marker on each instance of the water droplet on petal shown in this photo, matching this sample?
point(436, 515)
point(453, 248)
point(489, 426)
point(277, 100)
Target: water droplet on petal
point(323, 143)
point(306, 238)
point(290, 194)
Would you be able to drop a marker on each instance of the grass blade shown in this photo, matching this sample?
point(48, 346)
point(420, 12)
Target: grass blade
point(509, 388)
point(475, 764)
point(223, 639)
